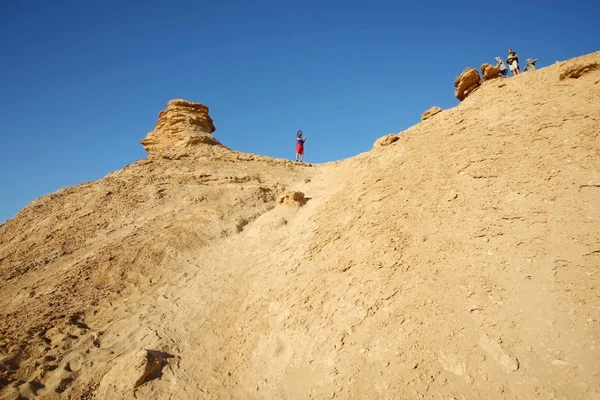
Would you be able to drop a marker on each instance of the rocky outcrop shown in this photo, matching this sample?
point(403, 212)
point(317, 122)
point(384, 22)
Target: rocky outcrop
point(466, 83)
point(294, 199)
point(430, 113)
point(575, 71)
point(386, 140)
point(488, 71)
point(181, 126)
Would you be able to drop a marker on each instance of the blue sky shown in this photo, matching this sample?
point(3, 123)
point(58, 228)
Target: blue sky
point(83, 81)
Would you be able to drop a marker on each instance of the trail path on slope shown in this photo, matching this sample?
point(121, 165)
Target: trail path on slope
point(196, 315)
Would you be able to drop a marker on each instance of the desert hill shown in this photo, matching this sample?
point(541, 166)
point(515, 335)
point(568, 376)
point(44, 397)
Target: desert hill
point(457, 259)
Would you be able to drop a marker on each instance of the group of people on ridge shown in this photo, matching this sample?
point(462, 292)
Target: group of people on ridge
point(513, 63)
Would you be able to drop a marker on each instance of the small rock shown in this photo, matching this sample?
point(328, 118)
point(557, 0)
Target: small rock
point(451, 195)
point(31, 389)
point(559, 363)
point(96, 340)
point(452, 363)
point(155, 362)
point(469, 379)
point(362, 350)
point(292, 198)
point(493, 348)
point(386, 140)
point(431, 112)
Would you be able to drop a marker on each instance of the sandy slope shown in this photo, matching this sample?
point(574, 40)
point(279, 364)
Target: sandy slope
point(462, 261)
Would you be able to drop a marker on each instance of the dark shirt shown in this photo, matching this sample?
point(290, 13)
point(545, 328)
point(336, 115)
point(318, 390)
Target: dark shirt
point(511, 57)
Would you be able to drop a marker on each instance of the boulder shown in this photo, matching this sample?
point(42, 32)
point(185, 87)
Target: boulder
point(294, 199)
point(430, 113)
point(489, 71)
point(466, 83)
point(183, 124)
point(386, 140)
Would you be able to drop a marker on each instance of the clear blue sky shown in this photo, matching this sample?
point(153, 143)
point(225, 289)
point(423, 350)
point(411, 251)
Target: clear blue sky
point(83, 81)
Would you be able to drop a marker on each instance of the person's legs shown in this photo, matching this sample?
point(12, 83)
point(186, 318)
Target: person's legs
point(299, 152)
point(514, 67)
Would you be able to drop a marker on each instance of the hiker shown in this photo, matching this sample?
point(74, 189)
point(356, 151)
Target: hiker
point(300, 146)
point(501, 67)
point(530, 65)
point(513, 62)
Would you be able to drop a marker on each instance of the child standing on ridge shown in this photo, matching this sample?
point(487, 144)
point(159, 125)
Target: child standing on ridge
point(300, 146)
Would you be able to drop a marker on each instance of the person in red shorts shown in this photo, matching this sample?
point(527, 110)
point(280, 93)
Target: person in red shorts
point(300, 146)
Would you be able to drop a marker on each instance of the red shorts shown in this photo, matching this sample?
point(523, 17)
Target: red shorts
point(300, 149)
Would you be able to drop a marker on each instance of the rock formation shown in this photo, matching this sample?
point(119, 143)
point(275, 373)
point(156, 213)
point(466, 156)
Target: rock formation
point(430, 113)
point(386, 140)
point(181, 126)
point(292, 199)
point(575, 71)
point(466, 83)
point(488, 71)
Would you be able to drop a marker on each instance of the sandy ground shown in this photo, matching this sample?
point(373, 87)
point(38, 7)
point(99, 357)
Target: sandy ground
point(462, 261)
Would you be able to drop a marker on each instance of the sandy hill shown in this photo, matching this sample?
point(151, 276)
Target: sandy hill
point(457, 259)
